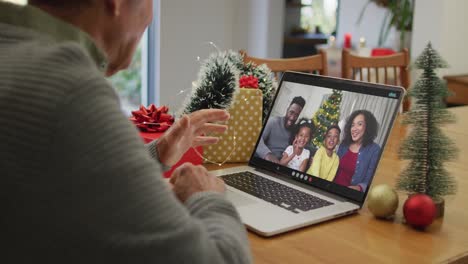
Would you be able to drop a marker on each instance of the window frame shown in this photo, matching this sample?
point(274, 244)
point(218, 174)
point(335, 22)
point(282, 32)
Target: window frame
point(151, 59)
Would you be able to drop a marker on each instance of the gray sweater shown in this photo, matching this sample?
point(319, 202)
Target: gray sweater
point(78, 185)
point(275, 138)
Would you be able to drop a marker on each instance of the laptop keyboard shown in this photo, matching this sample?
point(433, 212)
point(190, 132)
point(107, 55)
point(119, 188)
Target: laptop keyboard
point(273, 192)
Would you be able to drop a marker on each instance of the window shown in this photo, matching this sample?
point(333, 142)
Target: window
point(319, 16)
point(139, 84)
point(128, 83)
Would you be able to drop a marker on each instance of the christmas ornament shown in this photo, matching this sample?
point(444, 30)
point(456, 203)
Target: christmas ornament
point(419, 210)
point(426, 146)
point(382, 201)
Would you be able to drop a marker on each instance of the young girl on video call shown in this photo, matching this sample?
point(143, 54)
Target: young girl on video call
point(295, 156)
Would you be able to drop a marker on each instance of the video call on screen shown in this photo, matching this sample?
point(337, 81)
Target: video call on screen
point(332, 135)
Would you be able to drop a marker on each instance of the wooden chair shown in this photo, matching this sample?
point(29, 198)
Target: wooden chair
point(392, 69)
point(311, 64)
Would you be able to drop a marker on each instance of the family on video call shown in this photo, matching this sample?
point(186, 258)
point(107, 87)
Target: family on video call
point(287, 140)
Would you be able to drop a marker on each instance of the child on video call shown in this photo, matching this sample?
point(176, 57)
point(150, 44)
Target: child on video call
point(296, 156)
point(326, 161)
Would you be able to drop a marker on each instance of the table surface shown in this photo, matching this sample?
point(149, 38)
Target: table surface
point(361, 238)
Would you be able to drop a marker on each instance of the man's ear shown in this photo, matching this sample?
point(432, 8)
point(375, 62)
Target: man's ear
point(114, 7)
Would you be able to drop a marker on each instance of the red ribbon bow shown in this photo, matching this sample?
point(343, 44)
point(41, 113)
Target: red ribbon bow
point(152, 119)
point(248, 81)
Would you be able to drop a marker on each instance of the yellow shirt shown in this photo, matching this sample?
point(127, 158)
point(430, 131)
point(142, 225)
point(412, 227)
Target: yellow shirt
point(324, 166)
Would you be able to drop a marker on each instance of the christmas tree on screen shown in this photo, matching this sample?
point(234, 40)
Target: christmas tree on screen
point(327, 115)
point(426, 147)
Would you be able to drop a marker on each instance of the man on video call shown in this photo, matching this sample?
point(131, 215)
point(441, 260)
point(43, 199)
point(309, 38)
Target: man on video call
point(275, 137)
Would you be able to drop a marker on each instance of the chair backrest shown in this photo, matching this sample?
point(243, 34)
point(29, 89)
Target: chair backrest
point(312, 64)
point(392, 69)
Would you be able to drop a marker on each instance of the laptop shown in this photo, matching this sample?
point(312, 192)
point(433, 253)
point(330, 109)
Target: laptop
point(272, 198)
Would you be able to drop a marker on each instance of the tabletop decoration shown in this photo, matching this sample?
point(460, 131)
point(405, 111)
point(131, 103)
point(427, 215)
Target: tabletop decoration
point(426, 146)
point(248, 81)
point(238, 142)
point(382, 201)
point(218, 85)
point(419, 210)
point(152, 119)
point(218, 82)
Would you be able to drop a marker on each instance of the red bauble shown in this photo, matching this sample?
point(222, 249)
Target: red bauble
point(419, 210)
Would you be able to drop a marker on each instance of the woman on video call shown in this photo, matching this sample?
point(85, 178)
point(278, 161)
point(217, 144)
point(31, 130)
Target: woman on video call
point(358, 153)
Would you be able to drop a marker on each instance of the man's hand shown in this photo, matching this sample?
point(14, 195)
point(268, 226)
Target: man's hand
point(272, 158)
point(189, 179)
point(188, 131)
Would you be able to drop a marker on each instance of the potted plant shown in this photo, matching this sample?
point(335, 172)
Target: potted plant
point(399, 14)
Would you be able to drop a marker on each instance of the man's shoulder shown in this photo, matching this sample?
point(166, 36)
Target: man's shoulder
point(44, 58)
point(275, 120)
point(67, 58)
point(57, 69)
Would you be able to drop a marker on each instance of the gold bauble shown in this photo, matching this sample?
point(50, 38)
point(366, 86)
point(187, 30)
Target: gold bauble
point(382, 201)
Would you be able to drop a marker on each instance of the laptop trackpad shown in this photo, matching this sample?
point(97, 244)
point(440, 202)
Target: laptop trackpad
point(238, 199)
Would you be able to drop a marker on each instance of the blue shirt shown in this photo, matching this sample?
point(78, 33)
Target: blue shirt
point(365, 165)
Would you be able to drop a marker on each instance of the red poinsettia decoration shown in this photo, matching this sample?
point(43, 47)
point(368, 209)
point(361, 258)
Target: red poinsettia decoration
point(248, 81)
point(152, 119)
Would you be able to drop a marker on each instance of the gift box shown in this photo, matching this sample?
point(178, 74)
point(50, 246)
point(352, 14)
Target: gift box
point(189, 156)
point(237, 144)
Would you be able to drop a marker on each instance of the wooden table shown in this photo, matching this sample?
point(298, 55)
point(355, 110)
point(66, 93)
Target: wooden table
point(361, 238)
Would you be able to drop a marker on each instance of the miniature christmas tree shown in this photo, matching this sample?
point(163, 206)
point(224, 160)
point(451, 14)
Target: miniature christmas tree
point(327, 115)
point(427, 147)
point(217, 83)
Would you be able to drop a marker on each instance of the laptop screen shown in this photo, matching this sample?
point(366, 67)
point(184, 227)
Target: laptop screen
point(327, 132)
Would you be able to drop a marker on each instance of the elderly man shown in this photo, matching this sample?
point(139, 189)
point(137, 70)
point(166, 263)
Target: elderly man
point(78, 185)
point(277, 133)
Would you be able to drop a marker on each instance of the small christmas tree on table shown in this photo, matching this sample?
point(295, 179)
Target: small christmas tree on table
point(327, 115)
point(427, 147)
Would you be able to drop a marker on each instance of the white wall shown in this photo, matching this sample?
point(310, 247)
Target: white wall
point(187, 26)
point(257, 26)
point(369, 28)
point(442, 23)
